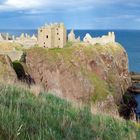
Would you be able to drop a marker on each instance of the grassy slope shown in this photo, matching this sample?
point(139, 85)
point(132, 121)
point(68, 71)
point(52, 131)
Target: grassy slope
point(24, 116)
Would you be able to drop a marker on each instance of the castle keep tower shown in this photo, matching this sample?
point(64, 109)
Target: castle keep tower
point(52, 36)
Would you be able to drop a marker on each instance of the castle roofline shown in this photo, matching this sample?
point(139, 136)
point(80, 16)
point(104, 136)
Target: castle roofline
point(52, 25)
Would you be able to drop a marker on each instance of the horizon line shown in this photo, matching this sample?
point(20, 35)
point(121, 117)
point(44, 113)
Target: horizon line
point(67, 29)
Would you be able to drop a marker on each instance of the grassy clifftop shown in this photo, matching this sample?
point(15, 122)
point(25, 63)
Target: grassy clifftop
point(25, 116)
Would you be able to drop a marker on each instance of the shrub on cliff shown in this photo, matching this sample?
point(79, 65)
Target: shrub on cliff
point(25, 116)
point(19, 70)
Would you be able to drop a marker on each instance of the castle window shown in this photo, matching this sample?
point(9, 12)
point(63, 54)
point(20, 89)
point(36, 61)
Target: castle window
point(47, 36)
point(40, 30)
point(57, 33)
point(44, 42)
point(58, 38)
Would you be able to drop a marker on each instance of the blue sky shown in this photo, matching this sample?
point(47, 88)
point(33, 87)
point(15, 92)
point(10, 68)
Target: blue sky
point(77, 14)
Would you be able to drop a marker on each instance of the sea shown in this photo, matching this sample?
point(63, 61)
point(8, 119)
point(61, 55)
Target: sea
point(130, 40)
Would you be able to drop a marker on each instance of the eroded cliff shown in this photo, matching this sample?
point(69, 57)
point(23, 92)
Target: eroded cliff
point(81, 72)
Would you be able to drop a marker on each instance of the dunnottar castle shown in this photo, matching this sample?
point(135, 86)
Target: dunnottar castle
point(55, 36)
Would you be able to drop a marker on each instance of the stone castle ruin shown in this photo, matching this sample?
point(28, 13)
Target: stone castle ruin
point(24, 39)
point(110, 38)
point(52, 36)
point(55, 36)
point(4, 37)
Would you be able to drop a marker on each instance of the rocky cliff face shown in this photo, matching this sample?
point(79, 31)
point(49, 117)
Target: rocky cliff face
point(7, 73)
point(81, 72)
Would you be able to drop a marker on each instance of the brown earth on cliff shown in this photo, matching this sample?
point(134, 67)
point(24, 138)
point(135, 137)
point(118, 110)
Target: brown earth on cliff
point(13, 50)
point(7, 73)
point(81, 72)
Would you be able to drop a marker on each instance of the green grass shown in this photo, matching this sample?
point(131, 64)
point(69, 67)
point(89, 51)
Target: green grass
point(68, 44)
point(101, 88)
point(24, 116)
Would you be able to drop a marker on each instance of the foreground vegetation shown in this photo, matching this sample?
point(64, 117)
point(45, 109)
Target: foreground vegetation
point(24, 116)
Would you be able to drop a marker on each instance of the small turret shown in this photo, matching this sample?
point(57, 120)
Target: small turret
point(113, 37)
point(34, 37)
point(13, 37)
point(71, 36)
point(1, 38)
point(22, 36)
point(109, 34)
point(7, 36)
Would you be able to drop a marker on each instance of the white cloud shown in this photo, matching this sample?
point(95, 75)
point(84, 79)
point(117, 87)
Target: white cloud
point(9, 5)
point(50, 4)
point(33, 5)
point(22, 4)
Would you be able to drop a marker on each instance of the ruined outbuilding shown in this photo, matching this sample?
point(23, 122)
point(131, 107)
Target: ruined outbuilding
point(110, 38)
